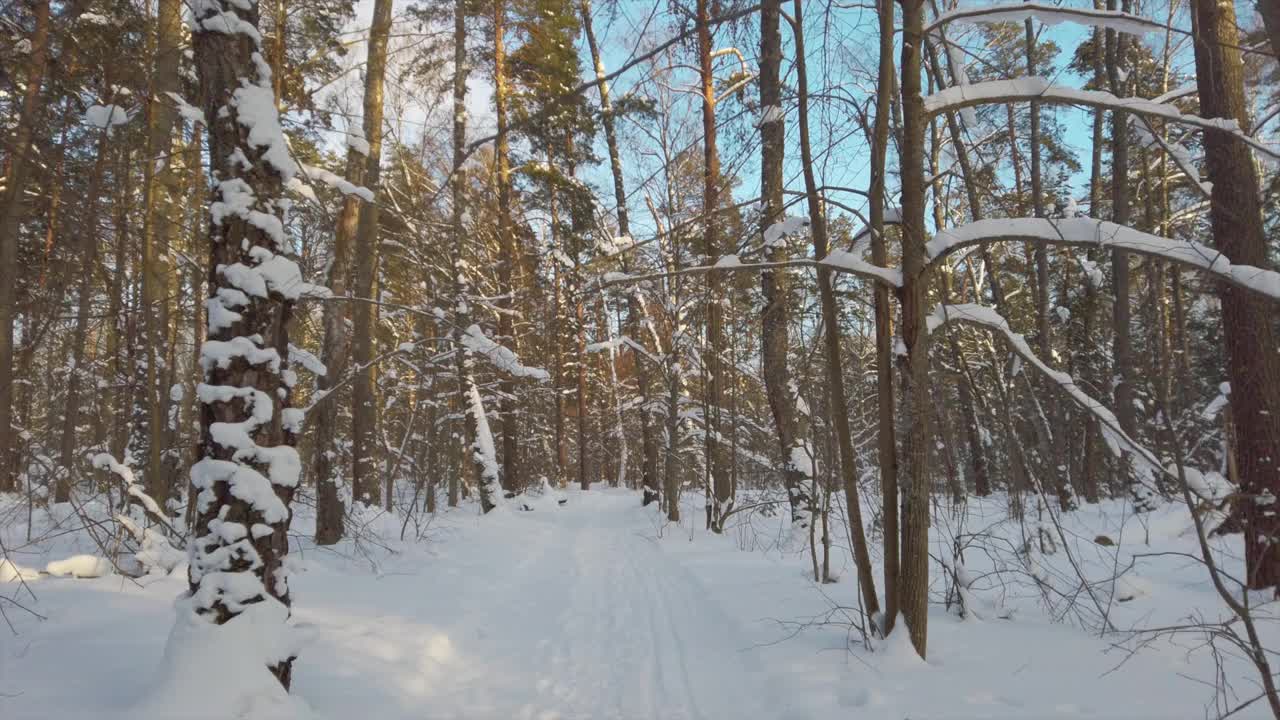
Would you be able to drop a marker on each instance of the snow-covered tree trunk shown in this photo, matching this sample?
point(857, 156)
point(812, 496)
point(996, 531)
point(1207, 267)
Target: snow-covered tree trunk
point(248, 467)
point(456, 180)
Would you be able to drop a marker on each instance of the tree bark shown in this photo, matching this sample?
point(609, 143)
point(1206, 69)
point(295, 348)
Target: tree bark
point(887, 447)
point(366, 480)
point(1122, 351)
point(796, 453)
point(11, 207)
point(158, 230)
point(335, 354)
point(507, 247)
point(1236, 218)
point(1270, 12)
point(716, 459)
point(913, 589)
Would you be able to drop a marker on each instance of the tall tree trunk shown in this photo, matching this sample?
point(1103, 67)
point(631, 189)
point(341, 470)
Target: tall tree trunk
point(507, 247)
point(580, 349)
point(366, 480)
point(248, 468)
point(159, 228)
point(795, 451)
point(326, 467)
point(1091, 462)
point(831, 337)
point(472, 465)
point(716, 456)
point(887, 450)
point(1116, 53)
point(913, 581)
point(1236, 217)
point(11, 207)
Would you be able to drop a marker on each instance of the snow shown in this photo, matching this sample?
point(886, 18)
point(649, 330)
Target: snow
point(483, 448)
point(1218, 403)
point(255, 105)
point(612, 246)
point(1109, 425)
point(955, 58)
point(103, 117)
point(852, 260)
point(1044, 90)
point(776, 234)
point(13, 572)
point(357, 142)
point(1180, 155)
point(771, 114)
point(1102, 234)
point(155, 553)
point(1048, 15)
point(336, 182)
point(502, 357)
point(104, 461)
point(189, 112)
point(220, 671)
point(80, 566)
point(595, 609)
point(802, 460)
point(226, 22)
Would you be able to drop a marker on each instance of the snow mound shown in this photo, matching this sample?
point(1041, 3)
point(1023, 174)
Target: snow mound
point(80, 566)
point(220, 671)
point(897, 651)
point(12, 572)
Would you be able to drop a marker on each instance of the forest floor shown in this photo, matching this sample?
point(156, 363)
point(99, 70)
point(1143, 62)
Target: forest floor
point(596, 609)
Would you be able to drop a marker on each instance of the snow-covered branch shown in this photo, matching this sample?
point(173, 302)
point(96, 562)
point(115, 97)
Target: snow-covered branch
point(988, 318)
point(1052, 15)
point(501, 356)
point(1088, 232)
point(841, 261)
point(1043, 90)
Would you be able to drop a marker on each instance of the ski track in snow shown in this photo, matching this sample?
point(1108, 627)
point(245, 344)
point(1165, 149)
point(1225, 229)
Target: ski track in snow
point(595, 610)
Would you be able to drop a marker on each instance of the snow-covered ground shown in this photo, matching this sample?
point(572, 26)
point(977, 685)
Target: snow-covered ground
point(595, 609)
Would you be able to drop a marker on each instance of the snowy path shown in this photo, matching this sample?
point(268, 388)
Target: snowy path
point(595, 610)
point(580, 618)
